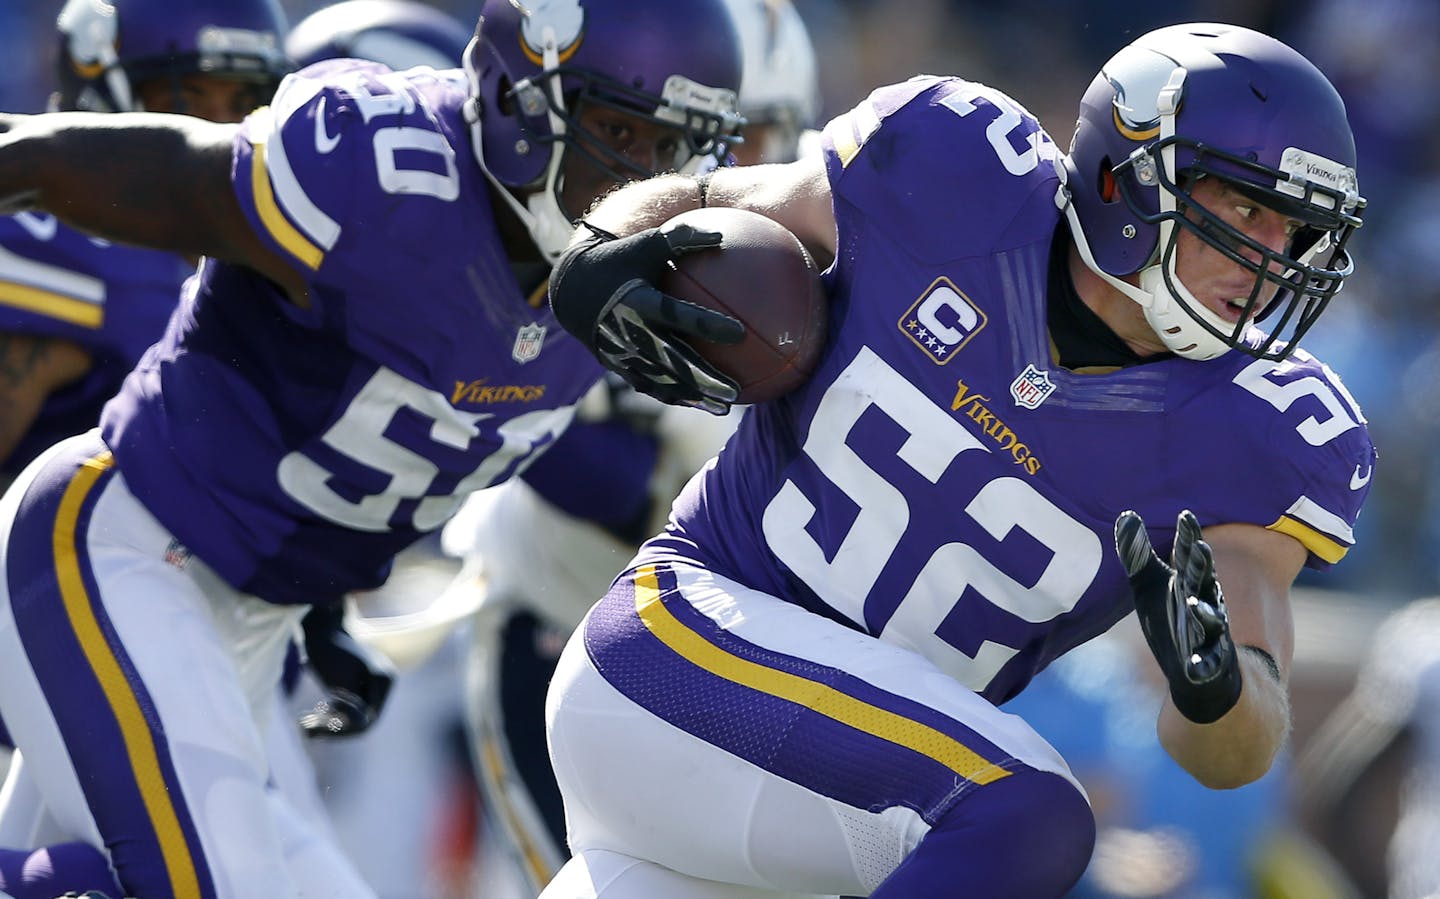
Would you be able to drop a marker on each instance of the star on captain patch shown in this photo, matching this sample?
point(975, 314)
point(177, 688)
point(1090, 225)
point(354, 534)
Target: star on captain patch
point(1031, 387)
point(528, 343)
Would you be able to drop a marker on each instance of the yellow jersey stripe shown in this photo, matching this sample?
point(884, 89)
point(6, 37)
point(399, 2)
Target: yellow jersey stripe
point(1313, 540)
point(275, 221)
point(818, 697)
point(850, 131)
point(139, 742)
point(52, 305)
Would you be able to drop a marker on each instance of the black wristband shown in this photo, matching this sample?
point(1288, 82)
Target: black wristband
point(1209, 703)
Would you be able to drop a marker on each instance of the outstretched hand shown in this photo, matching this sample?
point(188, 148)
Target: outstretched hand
point(1182, 614)
point(357, 679)
point(603, 291)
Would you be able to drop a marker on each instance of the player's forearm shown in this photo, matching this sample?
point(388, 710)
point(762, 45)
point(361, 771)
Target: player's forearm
point(1238, 748)
point(643, 204)
point(145, 179)
point(31, 368)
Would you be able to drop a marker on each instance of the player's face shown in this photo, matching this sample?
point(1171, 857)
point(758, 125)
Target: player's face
point(1215, 280)
point(210, 97)
point(645, 146)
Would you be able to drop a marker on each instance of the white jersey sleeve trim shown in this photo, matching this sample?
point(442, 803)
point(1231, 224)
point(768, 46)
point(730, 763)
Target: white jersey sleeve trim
point(50, 290)
point(289, 195)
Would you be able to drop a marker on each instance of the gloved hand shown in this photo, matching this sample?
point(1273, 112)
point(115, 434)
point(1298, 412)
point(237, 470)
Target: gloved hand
point(1182, 613)
point(357, 679)
point(603, 291)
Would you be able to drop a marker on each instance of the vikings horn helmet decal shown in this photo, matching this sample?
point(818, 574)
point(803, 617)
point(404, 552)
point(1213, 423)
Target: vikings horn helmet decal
point(1190, 102)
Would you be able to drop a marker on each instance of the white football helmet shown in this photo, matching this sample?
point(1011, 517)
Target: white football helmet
point(779, 85)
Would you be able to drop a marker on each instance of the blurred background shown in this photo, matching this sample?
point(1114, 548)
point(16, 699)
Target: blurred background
point(1359, 758)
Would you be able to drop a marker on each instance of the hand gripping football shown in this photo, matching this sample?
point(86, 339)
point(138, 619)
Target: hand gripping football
point(762, 275)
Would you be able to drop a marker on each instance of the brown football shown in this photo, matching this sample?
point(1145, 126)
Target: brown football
point(762, 275)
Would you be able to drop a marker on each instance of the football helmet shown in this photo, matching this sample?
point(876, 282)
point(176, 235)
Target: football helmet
point(107, 47)
point(534, 65)
point(398, 33)
point(1196, 101)
point(780, 84)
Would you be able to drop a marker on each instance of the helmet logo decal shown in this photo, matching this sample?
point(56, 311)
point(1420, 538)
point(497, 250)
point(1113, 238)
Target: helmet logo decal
point(562, 21)
point(1139, 77)
point(1131, 133)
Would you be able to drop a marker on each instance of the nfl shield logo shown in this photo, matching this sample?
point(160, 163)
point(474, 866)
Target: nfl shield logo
point(528, 343)
point(1031, 387)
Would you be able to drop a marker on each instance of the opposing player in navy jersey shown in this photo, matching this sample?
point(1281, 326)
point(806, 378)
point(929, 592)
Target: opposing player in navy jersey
point(1033, 355)
point(365, 342)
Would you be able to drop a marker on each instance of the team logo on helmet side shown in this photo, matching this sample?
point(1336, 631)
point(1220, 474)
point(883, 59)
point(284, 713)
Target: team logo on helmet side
point(1138, 76)
point(564, 18)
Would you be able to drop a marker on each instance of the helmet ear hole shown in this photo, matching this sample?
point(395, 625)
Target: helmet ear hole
point(1106, 180)
point(505, 96)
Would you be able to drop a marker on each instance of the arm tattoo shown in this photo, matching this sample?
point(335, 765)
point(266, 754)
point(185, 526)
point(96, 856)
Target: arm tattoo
point(20, 356)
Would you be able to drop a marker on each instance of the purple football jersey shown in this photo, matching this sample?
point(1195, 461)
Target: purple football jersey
point(296, 450)
point(941, 482)
point(110, 299)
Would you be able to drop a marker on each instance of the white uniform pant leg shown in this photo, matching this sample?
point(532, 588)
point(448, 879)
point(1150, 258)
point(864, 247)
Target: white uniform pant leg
point(137, 686)
point(810, 711)
point(598, 874)
point(24, 820)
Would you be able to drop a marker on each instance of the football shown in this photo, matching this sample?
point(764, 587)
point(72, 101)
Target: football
point(762, 275)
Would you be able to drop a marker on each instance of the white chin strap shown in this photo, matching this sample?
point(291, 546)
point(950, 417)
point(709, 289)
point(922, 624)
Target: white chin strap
point(1171, 314)
point(541, 214)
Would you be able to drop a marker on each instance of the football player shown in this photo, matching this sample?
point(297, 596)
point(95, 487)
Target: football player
point(543, 547)
point(780, 87)
point(1369, 778)
point(1033, 356)
point(386, 796)
point(76, 311)
point(366, 341)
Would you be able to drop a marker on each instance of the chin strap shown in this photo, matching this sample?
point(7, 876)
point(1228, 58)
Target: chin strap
point(541, 215)
point(1170, 309)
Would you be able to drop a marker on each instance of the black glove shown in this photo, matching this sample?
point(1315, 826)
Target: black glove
point(1182, 613)
point(603, 291)
point(357, 679)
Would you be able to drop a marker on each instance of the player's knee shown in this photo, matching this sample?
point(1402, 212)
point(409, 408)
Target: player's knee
point(1056, 815)
point(1028, 835)
point(1034, 809)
